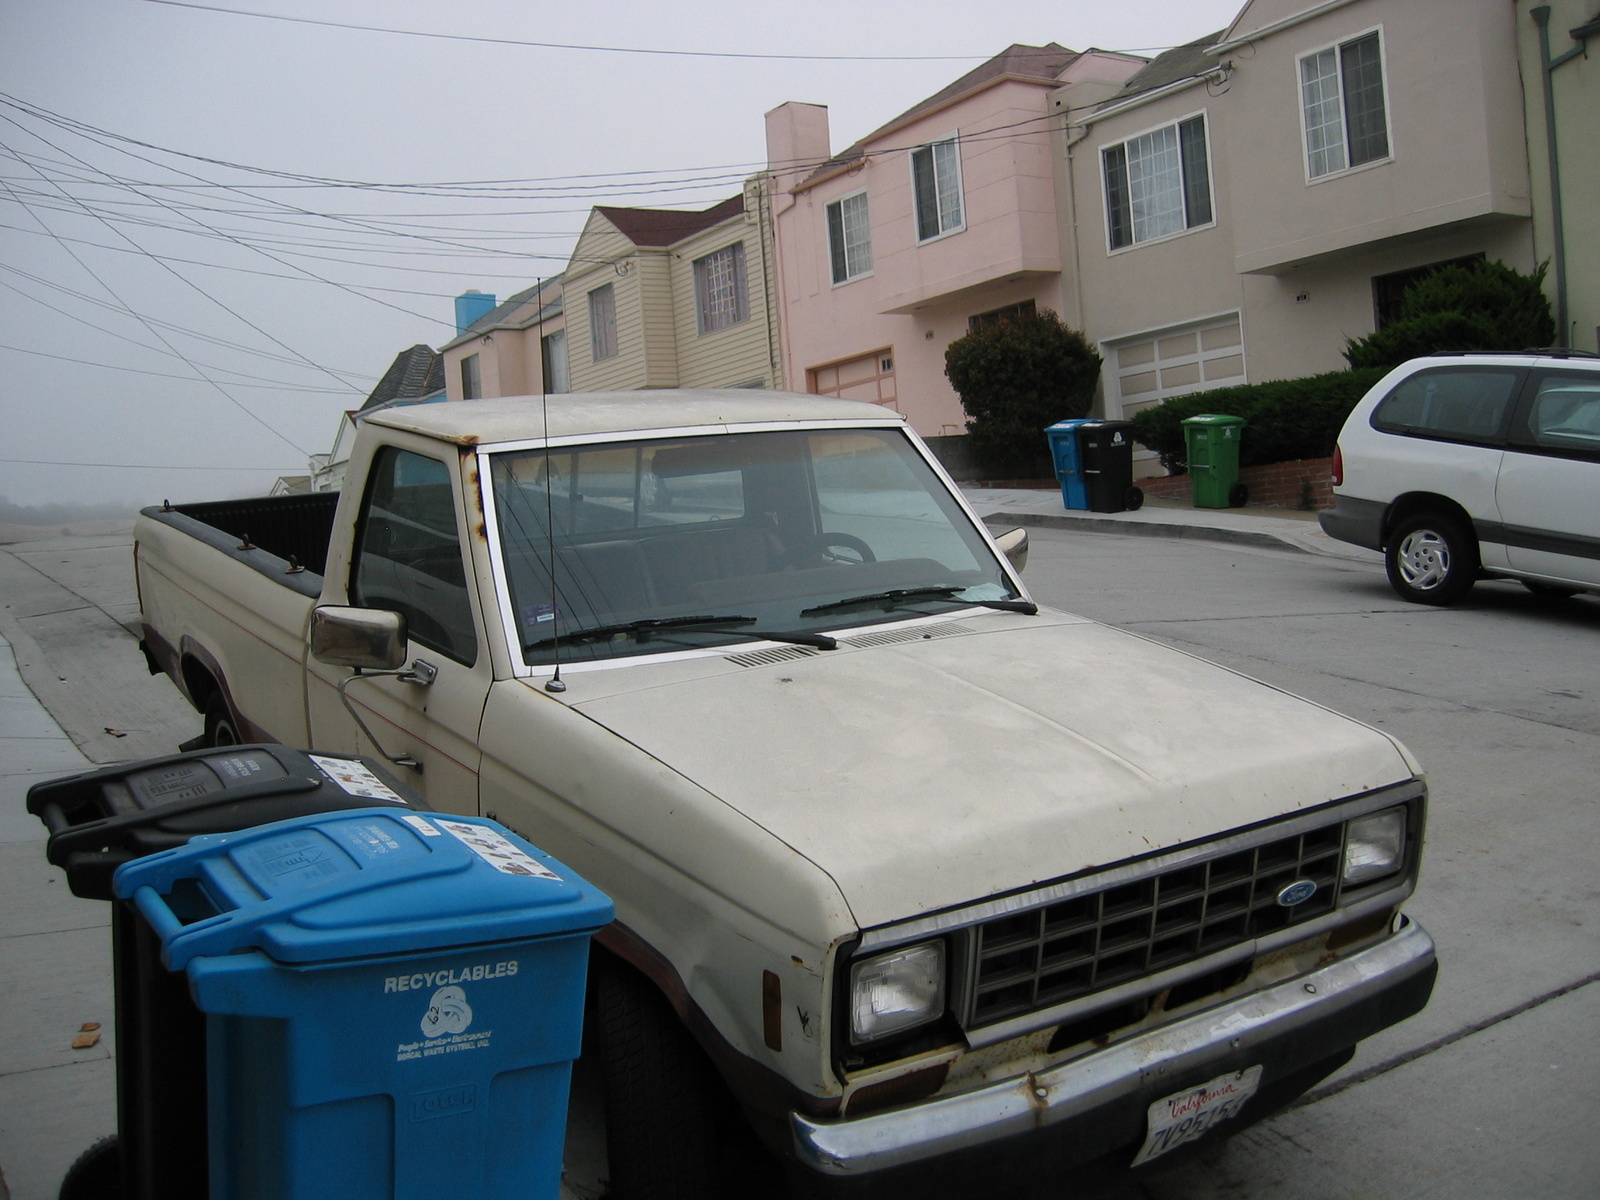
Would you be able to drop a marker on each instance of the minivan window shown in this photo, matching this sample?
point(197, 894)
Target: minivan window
point(1457, 405)
point(1565, 413)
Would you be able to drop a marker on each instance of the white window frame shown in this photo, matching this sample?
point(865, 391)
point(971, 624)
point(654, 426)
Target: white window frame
point(1211, 192)
point(827, 230)
point(953, 140)
point(710, 317)
point(611, 346)
point(1344, 116)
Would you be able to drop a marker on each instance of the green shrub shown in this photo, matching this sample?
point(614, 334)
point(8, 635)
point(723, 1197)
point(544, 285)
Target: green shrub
point(1479, 306)
point(1014, 379)
point(1285, 419)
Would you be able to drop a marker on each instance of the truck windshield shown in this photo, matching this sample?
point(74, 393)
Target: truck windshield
point(776, 527)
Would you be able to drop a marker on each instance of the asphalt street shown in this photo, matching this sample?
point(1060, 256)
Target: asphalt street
point(1491, 1092)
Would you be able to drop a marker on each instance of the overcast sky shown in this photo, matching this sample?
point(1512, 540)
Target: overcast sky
point(161, 313)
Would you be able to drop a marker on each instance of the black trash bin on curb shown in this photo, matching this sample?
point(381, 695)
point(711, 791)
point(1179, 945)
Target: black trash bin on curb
point(99, 820)
point(1106, 450)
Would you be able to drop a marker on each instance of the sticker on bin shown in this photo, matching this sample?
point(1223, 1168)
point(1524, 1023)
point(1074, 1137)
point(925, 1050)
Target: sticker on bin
point(421, 824)
point(496, 850)
point(355, 778)
point(1185, 1116)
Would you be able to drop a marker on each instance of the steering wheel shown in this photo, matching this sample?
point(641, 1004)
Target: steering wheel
point(843, 548)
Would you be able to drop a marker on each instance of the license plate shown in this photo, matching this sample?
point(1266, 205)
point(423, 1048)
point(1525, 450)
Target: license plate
point(1185, 1116)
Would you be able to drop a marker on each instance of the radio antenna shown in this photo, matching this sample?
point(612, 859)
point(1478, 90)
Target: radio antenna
point(555, 683)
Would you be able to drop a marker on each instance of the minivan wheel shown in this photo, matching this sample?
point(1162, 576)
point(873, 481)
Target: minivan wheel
point(1430, 559)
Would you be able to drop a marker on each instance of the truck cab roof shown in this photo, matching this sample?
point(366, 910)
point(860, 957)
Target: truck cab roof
point(576, 414)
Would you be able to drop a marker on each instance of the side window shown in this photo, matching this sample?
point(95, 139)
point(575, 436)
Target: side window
point(1564, 415)
point(409, 556)
point(1453, 405)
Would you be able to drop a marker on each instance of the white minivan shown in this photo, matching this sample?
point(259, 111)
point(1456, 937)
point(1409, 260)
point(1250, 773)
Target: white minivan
point(1461, 466)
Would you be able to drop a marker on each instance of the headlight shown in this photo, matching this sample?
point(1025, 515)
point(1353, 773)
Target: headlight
point(896, 991)
point(1376, 846)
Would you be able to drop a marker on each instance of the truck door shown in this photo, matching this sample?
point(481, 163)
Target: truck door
point(409, 557)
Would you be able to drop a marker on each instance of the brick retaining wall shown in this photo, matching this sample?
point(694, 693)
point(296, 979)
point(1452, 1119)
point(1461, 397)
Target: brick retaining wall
point(1276, 485)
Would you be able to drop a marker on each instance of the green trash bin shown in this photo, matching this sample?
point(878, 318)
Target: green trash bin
point(1212, 441)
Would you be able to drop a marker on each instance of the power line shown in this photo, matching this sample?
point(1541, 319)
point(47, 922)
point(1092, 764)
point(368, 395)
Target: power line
point(276, 385)
point(49, 462)
point(498, 41)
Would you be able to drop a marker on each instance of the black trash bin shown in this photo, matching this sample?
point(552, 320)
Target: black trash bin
point(101, 819)
point(1106, 449)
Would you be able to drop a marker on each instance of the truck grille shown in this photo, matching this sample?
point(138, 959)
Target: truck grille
point(1049, 955)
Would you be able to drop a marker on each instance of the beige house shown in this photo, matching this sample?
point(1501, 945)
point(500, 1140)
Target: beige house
point(658, 298)
point(1558, 41)
point(517, 348)
point(1244, 204)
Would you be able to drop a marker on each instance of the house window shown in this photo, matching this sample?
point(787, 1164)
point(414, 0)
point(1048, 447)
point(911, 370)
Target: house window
point(603, 323)
point(1011, 312)
point(1341, 101)
point(719, 289)
point(849, 238)
point(471, 378)
point(1157, 184)
point(936, 184)
point(553, 361)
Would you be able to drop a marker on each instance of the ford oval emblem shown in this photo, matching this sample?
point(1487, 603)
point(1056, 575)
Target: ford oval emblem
point(1297, 892)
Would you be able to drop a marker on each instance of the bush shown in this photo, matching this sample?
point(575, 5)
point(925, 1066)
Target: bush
point(1285, 419)
point(1481, 306)
point(1014, 379)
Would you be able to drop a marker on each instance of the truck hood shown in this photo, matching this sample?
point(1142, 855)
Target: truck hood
point(983, 755)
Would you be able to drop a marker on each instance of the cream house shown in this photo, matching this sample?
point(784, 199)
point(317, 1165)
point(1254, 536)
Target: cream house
point(660, 298)
point(516, 348)
point(1244, 204)
point(1558, 45)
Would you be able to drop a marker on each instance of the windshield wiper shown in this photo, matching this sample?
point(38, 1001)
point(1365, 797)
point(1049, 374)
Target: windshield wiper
point(895, 597)
point(642, 630)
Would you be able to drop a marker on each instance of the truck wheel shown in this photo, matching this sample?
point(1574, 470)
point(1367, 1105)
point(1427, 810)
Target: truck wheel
point(96, 1175)
point(1430, 560)
point(220, 727)
point(661, 1095)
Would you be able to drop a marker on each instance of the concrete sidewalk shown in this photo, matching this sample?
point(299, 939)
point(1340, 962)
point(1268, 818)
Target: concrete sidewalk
point(1273, 528)
point(55, 968)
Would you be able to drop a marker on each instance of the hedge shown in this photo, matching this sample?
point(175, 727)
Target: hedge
point(1285, 419)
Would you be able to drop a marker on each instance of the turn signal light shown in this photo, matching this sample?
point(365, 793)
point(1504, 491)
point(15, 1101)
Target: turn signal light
point(1338, 467)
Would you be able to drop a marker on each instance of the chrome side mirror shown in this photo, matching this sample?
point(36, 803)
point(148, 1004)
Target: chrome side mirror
point(1013, 544)
point(373, 639)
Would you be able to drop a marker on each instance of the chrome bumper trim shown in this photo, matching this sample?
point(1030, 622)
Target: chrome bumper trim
point(941, 1126)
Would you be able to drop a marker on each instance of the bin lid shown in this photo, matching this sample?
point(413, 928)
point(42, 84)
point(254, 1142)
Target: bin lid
point(356, 884)
point(1071, 423)
point(100, 819)
point(1213, 419)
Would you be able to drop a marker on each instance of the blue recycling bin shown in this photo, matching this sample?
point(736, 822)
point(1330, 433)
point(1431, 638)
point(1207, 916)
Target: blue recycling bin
point(1068, 458)
point(393, 1002)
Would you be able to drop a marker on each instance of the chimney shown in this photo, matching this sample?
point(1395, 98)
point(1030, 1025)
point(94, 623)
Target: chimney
point(471, 305)
point(797, 141)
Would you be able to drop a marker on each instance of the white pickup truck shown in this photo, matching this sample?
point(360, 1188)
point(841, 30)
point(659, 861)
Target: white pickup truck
point(938, 888)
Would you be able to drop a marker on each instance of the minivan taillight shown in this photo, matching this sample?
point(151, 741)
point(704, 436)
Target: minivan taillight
point(1338, 467)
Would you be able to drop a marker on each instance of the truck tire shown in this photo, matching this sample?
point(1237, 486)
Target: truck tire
point(221, 730)
point(96, 1175)
point(661, 1095)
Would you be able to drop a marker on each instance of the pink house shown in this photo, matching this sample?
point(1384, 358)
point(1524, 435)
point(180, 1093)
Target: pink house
point(940, 220)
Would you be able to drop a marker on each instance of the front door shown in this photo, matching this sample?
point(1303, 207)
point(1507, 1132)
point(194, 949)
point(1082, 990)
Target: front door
point(409, 558)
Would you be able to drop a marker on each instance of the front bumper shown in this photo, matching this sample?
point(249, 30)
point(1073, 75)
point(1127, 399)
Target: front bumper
point(1093, 1105)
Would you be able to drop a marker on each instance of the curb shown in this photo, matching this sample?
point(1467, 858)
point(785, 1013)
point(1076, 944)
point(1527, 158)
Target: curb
point(1206, 533)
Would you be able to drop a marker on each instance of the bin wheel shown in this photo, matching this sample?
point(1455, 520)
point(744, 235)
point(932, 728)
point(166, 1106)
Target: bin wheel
point(1133, 499)
point(97, 1173)
point(661, 1094)
point(1238, 496)
point(220, 727)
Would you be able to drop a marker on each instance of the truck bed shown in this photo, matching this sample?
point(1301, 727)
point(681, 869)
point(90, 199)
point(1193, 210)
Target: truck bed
point(282, 537)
